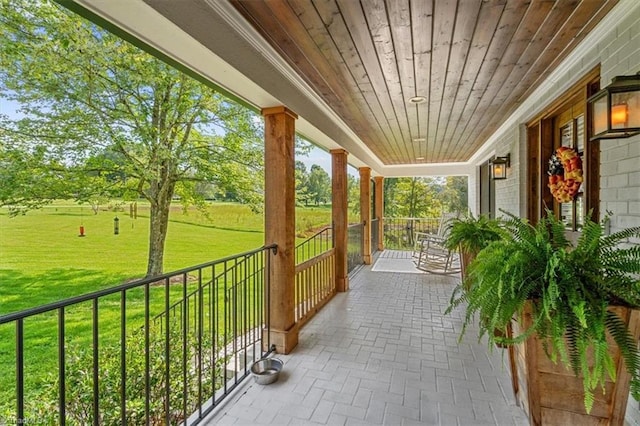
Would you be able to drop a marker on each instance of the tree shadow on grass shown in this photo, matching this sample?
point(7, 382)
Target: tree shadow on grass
point(20, 291)
point(222, 228)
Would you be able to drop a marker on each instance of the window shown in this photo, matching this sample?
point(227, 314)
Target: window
point(570, 132)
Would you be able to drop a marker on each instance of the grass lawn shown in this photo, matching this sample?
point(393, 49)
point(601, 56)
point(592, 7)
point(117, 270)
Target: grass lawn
point(42, 260)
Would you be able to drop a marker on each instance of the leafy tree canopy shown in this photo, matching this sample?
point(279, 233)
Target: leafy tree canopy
point(425, 197)
point(98, 116)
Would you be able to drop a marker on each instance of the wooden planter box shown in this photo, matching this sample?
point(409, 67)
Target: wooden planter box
point(552, 395)
point(465, 259)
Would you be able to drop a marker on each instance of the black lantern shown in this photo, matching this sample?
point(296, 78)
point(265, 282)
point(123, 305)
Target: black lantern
point(499, 167)
point(615, 110)
point(116, 226)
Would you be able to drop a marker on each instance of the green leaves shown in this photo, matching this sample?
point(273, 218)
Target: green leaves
point(473, 234)
point(571, 290)
point(98, 112)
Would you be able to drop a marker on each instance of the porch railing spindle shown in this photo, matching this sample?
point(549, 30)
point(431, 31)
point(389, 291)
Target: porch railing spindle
point(167, 357)
point(234, 309)
point(214, 328)
point(20, 370)
point(123, 356)
point(226, 319)
point(199, 328)
point(147, 358)
point(96, 365)
point(61, 368)
point(185, 325)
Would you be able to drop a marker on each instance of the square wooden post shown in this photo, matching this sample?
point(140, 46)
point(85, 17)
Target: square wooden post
point(279, 199)
point(339, 207)
point(365, 213)
point(379, 209)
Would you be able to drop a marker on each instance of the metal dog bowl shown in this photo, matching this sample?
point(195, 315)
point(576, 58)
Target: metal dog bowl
point(266, 371)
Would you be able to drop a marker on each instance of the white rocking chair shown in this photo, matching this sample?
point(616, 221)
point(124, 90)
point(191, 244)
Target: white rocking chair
point(431, 255)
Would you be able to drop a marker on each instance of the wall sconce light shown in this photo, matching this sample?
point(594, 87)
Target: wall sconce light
point(615, 110)
point(499, 167)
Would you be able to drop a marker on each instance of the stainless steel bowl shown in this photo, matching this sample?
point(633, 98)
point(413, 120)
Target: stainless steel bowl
point(266, 371)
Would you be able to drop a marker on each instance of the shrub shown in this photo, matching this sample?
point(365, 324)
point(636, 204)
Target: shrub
point(79, 379)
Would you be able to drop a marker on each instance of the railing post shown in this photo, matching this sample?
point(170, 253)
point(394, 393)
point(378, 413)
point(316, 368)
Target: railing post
point(339, 208)
point(365, 213)
point(279, 197)
point(379, 209)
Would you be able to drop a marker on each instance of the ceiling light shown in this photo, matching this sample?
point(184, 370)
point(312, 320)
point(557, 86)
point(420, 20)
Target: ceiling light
point(419, 158)
point(418, 100)
point(416, 140)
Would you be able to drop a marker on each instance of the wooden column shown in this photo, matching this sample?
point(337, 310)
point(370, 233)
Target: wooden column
point(339, 207)
point(365, 212)
point(379, 209)
point(279, 199)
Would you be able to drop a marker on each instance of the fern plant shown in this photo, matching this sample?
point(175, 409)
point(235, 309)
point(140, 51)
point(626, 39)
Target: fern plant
point(570, 289)
point(472, 234)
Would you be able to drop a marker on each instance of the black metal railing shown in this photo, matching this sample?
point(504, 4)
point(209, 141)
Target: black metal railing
point(399, 232)
point(164, 350)
point(354, 246)
point(375, 235)
point(315, 245)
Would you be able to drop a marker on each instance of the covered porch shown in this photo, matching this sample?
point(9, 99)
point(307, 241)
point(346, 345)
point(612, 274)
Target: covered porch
point(376, 347)
point(383, 353)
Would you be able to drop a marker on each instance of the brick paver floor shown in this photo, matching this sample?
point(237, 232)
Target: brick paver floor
point(383, 353)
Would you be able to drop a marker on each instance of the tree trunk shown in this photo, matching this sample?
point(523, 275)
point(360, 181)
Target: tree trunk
point(158, 226)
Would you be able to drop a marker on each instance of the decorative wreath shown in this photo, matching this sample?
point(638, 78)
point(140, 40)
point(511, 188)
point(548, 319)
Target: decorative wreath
point(565, 174)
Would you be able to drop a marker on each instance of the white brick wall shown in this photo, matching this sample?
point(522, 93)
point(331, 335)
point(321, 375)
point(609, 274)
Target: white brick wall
point(508, 190)
point(620, 159)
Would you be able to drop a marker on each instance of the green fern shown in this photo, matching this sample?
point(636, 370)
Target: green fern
point(570, 289)
point(472, 234)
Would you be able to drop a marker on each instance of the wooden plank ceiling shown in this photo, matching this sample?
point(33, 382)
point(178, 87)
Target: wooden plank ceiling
point(473, 61)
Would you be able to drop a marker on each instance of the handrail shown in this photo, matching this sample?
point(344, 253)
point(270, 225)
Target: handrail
point(310, 262)
point(323, 230)
point(318, 243)
point(175, 365)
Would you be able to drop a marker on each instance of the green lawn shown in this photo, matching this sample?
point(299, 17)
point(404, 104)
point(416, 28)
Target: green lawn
point(42, 260)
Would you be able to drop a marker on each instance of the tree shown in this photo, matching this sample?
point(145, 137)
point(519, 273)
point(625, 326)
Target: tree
point(87, 95)
point(302, 183)
point(389, 189)
point(414, 197)
point(353, 194)
point(454, 194)
point(319, 185)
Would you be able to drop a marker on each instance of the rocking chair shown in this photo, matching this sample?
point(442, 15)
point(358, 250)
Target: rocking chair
point(431, 255)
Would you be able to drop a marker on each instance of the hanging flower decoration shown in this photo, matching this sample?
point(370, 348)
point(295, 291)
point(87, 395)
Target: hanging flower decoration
point(565, 174)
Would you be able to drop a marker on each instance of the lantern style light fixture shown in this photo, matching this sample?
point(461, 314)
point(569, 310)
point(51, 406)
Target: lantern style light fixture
point(499, 167)
point(615, 110)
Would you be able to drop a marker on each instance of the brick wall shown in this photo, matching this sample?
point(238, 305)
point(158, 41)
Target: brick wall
point(619, 53)
point(620, 181)
point(508, 190)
